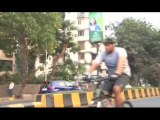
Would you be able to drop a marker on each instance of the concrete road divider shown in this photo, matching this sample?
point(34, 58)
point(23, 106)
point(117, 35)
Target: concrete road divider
point(130, 94)
point(24, 105)
point(66, 100)
point(80, 99)
point(83, 99)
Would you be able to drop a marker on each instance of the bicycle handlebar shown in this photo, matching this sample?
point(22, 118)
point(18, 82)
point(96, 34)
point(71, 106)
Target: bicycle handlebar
point(99, 79)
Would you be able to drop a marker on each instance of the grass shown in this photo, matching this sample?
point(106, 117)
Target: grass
point(138, 88)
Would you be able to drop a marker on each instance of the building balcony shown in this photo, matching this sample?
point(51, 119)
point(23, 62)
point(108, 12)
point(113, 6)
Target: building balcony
point(83, 38)
point(83, 26)
point(82, 15)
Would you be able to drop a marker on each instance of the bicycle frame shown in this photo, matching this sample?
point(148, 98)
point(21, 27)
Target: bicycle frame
point(98, 100)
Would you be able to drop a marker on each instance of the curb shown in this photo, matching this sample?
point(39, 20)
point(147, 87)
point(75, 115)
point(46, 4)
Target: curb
point(4, 99)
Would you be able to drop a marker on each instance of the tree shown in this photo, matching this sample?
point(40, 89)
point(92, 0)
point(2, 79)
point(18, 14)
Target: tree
point(27, 32)
point(65, 37)
point(151, 74)
point(69, 69)
point(141, 41)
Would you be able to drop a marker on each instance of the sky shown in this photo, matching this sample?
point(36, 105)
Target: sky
point(112, 17)
point(151, 17)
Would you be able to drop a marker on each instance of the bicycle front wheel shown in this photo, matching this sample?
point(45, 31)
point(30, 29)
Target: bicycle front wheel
point(127, 104)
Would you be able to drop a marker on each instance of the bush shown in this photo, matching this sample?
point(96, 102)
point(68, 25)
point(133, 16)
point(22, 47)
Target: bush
point(7, 77)
point(36, 80)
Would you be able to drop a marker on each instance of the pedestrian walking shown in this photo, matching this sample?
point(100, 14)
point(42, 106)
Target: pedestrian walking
point(10, 89)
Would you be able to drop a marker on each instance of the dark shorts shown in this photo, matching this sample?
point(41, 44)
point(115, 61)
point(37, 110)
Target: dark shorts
point(122, 81)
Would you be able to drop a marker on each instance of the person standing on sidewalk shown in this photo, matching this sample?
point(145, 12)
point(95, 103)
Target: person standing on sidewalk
point(10, 89)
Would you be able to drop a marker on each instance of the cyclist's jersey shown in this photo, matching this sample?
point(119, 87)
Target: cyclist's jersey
point(111, 60)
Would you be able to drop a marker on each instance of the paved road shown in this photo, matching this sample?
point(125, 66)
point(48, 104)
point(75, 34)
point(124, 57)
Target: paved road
point(16, 101)
point(147, 102)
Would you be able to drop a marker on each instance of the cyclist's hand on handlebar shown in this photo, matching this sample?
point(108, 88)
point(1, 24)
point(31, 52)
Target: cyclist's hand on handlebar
point(114, 76)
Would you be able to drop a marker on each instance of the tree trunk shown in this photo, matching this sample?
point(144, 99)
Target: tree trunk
point(24, 65)
point(136, 79)
point(56, 59)
point(139, 77)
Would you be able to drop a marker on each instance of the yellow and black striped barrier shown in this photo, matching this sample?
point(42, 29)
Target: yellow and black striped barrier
point(66, 100)
point(140, 93)
point(84, 99)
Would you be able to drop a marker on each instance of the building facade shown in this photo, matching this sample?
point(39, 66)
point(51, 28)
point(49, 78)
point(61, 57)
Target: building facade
point(87, 51)
point(7, 63)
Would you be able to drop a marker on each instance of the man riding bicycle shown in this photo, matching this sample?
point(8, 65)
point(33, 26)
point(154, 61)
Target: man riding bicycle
point(119, 71)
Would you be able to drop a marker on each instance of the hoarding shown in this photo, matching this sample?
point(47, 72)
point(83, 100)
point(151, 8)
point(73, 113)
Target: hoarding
point(95, 27)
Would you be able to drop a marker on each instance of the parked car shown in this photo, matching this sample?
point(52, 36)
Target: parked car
point(60, 85)
point(44, 87)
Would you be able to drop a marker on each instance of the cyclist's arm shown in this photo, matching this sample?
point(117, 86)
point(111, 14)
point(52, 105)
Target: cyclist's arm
point(93, 67)
point(121, 61)
point(97, 62)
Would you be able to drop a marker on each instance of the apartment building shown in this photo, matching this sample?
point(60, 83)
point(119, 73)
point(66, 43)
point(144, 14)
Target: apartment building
point(7, 63)
point(88, 51)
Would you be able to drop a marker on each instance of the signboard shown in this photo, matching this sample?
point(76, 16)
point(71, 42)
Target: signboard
point(95, 27)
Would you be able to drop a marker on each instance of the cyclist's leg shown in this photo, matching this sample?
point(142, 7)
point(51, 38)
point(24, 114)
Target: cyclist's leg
point(119, 86)
point(107, 89)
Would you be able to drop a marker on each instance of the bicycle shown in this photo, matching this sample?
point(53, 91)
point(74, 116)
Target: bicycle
point(103, 99)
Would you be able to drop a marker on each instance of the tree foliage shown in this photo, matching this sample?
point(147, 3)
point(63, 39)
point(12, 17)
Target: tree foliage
point(141, 40)
point(69, 69)
point(151, 74)
point(65, 38)
point(26, 33)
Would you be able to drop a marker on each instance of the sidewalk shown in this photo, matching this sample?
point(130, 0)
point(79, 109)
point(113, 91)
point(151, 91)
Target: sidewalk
point(6, 99)
point(25, 96)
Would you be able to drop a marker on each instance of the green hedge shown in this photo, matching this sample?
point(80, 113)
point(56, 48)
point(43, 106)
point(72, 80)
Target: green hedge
point(5, 79)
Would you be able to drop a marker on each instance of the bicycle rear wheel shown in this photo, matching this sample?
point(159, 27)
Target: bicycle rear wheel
point(127, 104)
point(99, 103)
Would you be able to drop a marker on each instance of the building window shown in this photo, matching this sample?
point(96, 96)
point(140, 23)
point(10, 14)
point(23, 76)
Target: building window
point(5, 65)
point(81, 33)
point(81, 45)
point(81, 14)
point(81, 56)
point(79, 22)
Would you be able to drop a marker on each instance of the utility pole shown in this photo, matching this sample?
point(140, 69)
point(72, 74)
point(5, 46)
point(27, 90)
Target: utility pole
point(46, 64)
point(97, 54)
